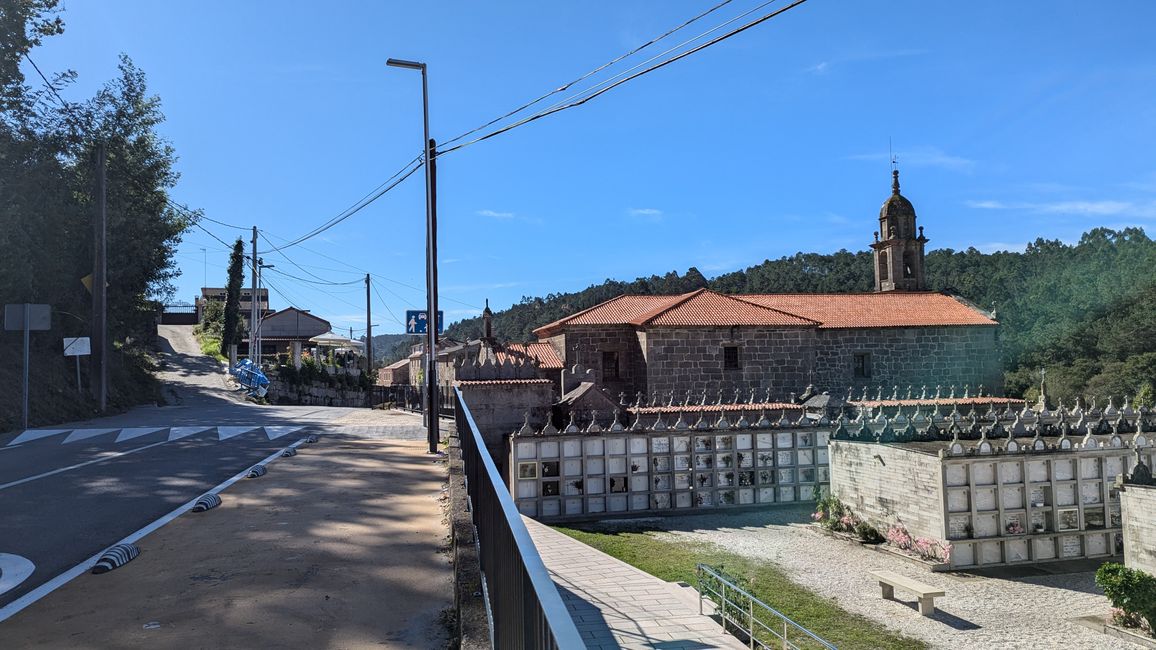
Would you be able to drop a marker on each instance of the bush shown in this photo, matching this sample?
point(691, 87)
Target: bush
point(1130, 590)
point(868, 533)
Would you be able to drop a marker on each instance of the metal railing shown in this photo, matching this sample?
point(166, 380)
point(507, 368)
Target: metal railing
point(412, 398)
point(761, 625)
point(525, 608)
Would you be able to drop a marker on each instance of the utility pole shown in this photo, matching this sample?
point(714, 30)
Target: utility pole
point(99, 285)
point(254, 352)
point(432, 257)
point(368, 334)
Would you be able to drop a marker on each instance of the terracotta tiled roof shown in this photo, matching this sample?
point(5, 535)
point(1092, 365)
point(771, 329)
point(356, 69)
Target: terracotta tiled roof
point(616, 311)
point(545, 353)
point(501, 382)
point(704, 308)
point(750, 409)
point(887, 309)
point(943, 401)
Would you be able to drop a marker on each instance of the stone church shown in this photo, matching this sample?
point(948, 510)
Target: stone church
point(900, 334)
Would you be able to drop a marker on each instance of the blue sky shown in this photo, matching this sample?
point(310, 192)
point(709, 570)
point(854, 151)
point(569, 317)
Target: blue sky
point(1011, 121)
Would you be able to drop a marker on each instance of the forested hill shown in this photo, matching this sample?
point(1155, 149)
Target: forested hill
point(1063, 306)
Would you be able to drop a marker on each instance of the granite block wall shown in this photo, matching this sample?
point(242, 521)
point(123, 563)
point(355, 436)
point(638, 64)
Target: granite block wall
point(865, 476)
point(585, 345)
point(910, 356)
point(1138, 514)
point(692, 359)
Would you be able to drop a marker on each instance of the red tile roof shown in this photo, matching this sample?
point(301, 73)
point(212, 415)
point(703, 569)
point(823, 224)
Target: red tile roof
point(703, 308)
point(545, 353)
point(501, 382)
point(943, 401)
point(886, 309)
point(717, 408)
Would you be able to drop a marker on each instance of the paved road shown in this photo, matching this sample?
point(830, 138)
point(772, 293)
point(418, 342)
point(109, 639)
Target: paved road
point(69, 492)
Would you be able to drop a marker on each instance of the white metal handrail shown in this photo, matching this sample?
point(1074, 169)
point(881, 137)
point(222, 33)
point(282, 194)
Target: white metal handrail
point(763, 625)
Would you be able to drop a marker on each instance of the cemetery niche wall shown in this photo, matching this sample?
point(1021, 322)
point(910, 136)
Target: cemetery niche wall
point(1002, 488)
point(701, 457)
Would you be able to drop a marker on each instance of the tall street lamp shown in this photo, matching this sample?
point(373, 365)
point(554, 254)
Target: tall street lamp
point(431, 268)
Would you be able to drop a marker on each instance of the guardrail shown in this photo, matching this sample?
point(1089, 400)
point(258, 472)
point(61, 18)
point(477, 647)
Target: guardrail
point(762, 625)
point(525, 609)
point(412, 398)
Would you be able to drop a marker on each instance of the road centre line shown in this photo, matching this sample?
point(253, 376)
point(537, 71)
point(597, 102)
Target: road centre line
point(14, 607)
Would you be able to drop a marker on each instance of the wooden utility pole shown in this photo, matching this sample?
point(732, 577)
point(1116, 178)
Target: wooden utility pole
point(368, 334)
point(99, 285)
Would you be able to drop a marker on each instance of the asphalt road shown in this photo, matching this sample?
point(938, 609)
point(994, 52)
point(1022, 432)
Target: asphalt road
point(70, 492)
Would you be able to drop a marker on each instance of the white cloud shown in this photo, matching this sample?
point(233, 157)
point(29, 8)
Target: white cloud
point(819, 68)
point(825, 66)
point(645, 212)
point(922, 156)
point(493, 214)
point(995, 246)
point(1107, 208)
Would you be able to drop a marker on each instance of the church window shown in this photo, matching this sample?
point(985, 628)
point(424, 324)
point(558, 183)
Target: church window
point(883, 272)
point(908, 263)
point(730, 357)
point(862, 365)
point(609, 365)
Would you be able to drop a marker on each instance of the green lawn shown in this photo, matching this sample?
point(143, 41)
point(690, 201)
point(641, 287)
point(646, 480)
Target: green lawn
point(675, 561)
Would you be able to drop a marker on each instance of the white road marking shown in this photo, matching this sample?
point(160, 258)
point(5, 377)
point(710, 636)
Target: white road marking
point(43, 590)
point(176, 433)
point(14, 569)
point(277, 432)
point(136, 432)
point(224, 433)
point(103, 457)
point(84, 434)
point(36, 434)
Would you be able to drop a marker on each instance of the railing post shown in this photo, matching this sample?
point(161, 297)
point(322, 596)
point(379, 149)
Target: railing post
point(751, 620)
point(785, 642)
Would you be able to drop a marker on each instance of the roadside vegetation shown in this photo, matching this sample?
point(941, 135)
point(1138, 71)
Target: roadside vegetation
point(48, 200)
point(676, 560)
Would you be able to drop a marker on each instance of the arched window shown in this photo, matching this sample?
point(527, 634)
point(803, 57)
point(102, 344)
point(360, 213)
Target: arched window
point(884, 274)
point(908, 264)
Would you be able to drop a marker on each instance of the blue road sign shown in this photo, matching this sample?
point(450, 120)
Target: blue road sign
point(417, 322)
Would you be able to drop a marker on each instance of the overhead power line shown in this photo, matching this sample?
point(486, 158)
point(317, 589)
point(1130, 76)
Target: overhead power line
point(578, 102)
point(566, 86)
point(390, 183)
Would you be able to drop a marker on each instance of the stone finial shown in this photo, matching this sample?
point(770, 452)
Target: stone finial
point(966, 391)
point(526, 429)
point(549, 429)
point(910, 391)
point(895, 392)
point(751, 397)
point(594, 426)
point(571, 427)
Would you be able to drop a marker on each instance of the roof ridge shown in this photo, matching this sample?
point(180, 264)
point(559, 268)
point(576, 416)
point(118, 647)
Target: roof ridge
point(562, 320)
point(739, 297)
point(658, 311)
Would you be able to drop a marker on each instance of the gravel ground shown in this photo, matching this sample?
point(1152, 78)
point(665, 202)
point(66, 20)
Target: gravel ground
point(1033, 612)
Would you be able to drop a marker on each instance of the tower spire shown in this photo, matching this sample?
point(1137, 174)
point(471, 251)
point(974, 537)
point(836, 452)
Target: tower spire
point(894, 180)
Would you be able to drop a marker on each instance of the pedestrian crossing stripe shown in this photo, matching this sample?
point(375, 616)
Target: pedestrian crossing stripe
point(85, 434)
point(37, 434)
point(176, 433)
point(224, 433)
point(136, 432)
point(277, 432)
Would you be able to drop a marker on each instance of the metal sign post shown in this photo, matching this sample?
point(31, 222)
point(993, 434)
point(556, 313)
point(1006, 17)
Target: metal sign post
point(27, 317)
point(77, 347)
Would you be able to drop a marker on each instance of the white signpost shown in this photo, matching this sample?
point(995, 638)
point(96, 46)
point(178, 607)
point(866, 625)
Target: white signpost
point(77, 347)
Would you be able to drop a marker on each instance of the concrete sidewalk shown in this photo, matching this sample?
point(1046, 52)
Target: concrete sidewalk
point(340, 546)
point(616, 605)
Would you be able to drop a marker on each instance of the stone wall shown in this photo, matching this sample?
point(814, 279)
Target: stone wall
point(585, 345)
point(1138, 514)
point(886, 484)
point(692, 359)
point(499, 407)
point(910, 356)
point(281, 392)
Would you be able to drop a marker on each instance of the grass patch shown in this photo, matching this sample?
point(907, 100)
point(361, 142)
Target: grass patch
point(210, 345)
point(675, 561)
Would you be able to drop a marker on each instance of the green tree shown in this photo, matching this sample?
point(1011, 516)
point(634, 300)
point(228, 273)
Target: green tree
point(229, 334)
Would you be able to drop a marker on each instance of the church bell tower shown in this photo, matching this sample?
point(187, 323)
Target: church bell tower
point(899, 245)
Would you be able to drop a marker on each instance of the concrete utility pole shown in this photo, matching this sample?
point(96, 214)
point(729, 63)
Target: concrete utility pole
point(99, 286)
point(254, 352)
point(368, 334)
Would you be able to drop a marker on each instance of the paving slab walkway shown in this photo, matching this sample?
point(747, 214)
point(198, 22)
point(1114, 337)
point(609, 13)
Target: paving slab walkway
point(616, 605)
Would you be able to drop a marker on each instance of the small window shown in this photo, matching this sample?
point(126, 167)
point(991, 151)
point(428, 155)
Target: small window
point(609, 366)
point(862, 365)
point(730, 357)
point(884, 271)
point(908, 264)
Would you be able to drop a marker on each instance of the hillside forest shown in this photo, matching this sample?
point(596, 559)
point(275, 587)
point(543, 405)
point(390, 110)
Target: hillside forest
point(1085, 312)
point(48, 202)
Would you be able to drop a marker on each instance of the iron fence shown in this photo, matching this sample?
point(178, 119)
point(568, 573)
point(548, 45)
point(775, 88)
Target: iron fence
point(762, 626)
point(412, 398)
point(525, 608)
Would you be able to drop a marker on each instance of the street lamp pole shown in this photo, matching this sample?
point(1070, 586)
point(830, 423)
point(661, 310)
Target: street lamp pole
point(431, 246)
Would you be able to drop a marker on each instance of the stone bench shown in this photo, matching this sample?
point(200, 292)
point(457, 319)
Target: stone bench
point(926, 594)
